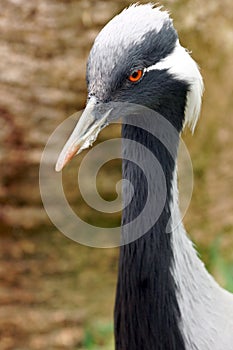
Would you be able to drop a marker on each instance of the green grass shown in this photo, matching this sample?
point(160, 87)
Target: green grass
point(218, 263)
point(98, 336)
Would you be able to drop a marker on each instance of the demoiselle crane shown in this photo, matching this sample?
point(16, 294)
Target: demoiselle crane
point(166, 299)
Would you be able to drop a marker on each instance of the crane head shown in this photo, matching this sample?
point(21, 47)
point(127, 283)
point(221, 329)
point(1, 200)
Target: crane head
point(137, 58)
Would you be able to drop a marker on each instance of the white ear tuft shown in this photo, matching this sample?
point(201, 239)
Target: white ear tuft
point(194, 97)
point(181, 65)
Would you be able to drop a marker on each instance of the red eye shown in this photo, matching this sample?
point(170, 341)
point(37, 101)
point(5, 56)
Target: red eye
point(136, 75)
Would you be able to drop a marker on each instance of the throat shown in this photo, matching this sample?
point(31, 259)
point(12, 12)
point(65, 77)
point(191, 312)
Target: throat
point(147, 314)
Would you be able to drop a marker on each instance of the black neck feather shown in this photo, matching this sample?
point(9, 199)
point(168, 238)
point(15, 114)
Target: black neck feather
point(147, 314)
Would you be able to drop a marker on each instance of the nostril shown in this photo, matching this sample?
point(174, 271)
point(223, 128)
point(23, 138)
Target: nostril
point(93, 97)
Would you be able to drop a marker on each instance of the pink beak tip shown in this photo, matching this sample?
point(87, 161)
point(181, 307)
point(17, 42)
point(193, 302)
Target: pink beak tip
point(69, 155)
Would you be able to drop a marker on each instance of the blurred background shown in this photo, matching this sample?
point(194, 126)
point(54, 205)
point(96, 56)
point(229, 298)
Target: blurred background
point(55, 293)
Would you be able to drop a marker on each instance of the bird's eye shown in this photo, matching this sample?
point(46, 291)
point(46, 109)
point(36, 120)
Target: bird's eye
point(136, 76)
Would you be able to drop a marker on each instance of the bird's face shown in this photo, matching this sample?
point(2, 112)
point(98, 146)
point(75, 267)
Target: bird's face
point(118, 64)
point(137, 59)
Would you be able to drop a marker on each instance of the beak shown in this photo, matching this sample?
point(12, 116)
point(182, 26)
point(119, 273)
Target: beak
point(91, 122)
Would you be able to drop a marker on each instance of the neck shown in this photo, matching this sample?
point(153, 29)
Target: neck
point(147, 314)
point(205, 307)
point(165, 297)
